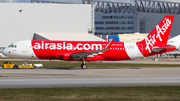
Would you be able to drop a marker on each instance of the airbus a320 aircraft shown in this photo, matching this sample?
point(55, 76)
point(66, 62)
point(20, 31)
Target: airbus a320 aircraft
point(154, 43)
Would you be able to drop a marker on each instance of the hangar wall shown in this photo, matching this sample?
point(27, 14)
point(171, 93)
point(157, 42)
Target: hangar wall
point(149, 21)
point(19, 21)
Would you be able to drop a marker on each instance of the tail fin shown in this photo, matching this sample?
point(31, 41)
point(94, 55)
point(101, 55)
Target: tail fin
point(159, 35)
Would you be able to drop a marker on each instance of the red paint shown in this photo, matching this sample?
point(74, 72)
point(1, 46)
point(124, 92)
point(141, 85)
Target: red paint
point(65, 54)
point(157, 40)
point(63, 49)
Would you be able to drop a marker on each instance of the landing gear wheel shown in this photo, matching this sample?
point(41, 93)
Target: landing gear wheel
point(83, 66)
point(15, 67)
point(34, 67)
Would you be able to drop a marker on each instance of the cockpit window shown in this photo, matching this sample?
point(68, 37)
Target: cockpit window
point(10, 45)
point(13, 46)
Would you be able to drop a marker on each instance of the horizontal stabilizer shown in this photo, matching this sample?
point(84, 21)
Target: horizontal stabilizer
point(161, 47)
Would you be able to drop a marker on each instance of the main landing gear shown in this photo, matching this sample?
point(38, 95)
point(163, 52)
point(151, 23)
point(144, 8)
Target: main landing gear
point(83, 65)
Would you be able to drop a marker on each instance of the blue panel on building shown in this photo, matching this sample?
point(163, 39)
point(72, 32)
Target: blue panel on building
point(115, 37)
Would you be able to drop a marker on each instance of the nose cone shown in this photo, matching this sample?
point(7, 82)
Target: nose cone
point(5, 52)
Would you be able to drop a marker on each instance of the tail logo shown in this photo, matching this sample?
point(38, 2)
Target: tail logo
point(160, 31)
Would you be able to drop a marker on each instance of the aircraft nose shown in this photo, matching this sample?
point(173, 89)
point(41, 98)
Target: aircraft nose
point(5, 52)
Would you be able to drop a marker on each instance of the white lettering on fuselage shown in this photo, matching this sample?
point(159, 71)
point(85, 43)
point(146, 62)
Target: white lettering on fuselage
point(129, 47)
point(67, 46)
point(160, 31)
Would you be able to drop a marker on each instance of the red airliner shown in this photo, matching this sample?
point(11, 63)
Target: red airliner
point(154, 43)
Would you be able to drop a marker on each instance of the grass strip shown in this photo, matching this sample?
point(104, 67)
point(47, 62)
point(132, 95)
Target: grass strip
point(61, 64)
point(162, 93)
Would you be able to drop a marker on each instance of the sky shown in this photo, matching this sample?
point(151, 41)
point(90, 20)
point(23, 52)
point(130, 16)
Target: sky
point(77, 1)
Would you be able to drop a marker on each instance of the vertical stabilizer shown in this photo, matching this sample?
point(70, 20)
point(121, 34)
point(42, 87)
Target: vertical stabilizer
point(158, 36)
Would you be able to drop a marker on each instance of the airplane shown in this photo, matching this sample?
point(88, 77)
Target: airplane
point(154, 43)
point(175, 41)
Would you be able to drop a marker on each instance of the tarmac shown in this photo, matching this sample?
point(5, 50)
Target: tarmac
point(48, 78)
point(101, 77)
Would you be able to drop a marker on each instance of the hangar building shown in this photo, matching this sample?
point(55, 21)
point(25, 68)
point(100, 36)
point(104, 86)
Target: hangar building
point(111, 18)
point(19, 21)
point(119, 18)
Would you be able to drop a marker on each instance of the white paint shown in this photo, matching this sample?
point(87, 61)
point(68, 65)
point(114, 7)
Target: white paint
point(175, 41)
point(132, 50)
point(18, 53)
point(38, 65)
point(19, 21)
point(66, 36)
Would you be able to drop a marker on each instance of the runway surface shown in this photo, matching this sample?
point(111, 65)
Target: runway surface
point(31, 78)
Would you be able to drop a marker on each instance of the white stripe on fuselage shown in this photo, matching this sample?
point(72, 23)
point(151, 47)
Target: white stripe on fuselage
point(132, 50)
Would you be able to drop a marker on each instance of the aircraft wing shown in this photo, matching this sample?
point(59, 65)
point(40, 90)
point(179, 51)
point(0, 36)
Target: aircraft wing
point(161, 47)
point(79, 55)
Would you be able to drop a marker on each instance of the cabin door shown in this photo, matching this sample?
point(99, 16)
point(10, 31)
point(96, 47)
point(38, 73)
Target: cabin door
point(25, 47)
